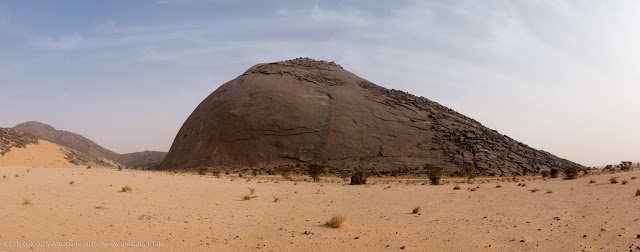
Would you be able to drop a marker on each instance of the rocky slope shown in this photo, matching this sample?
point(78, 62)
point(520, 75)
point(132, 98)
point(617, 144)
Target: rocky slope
point(304, 110)
point(30, 150)
point(83, 145)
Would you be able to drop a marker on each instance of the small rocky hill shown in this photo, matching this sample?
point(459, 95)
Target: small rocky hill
point(304, 110)
point(83, 145)
point(37, 152)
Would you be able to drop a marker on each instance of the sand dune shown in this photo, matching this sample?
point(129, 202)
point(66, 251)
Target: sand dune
point(43, 154)
point(204, 213)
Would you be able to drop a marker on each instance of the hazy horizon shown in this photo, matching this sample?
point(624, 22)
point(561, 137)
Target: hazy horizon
point(556, 75)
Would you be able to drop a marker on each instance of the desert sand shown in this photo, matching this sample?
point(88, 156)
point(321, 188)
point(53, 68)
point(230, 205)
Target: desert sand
point(188, 212)
point(43, 154)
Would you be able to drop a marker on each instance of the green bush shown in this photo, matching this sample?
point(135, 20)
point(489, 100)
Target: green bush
point(469, 171)
point(202, 170)
point(554, 172)
point(315, 170)
point(434, 173)
point(358, 178)
point(545, 174)
point(571, 172)
point(285, 171)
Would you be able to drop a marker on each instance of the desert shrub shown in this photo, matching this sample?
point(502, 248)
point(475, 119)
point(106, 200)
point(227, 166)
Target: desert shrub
point(72, 182)
point(469, 172)
point(359, 177)
point(613, 180)
point(634, 177)
point(27, 202)
point(315, 170)
point(240, 175)
point(252, 191)
point(276, 199)
point(246, 197)
point(202, 170)
point(554, 172)
point(284, 171)
point(498, 186)
point(216, 173)
point(638, 192)
point(127, 189)
point(545, 173)
point(456, 188)
point(89, 167)
point(119, 168)
point(592, 181)
point(255, 172)
point(534, 190)
point(416, 210)
point(571, 172)
point(373, 172)
point(345, 175)
point(624, 182)
point(548, 192)
point(336, 221)
point(525, 171)
point(434, 173)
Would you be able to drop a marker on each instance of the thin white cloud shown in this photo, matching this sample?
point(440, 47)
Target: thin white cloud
point(70, 42)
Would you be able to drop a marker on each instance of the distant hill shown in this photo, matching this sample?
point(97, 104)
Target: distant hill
point(83, 145)
point(18, 148)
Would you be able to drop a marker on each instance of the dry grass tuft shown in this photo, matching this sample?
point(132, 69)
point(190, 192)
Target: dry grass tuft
point(4, 176)
point(613, 180)
point(634, 177)
point(72, 182)
point(456, 188)
point(17, 175)
point(498, 186)
point(276, 199)
point(336, 221)
point(624, 182)
point(246, 197)
point(638, 192)
point(27, 202)
point(534, 190)
point(548, 192)
point(127, 189)
point(592, 181)
point(416, 210)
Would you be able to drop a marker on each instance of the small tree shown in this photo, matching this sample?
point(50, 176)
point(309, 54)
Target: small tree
point(285, 171)
point(359, 177)
point(315, 170)
point(373, 172)
point(571, 172)
point(545, 173)
point(434, 173)
point(202, 170)
point(554, 172)
point(469, 171)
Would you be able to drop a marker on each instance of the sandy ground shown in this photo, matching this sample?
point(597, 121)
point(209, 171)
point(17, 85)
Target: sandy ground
point(43, 154)
point(203, 213)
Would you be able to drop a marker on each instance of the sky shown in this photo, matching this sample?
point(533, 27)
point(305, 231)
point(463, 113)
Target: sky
point(560, 76)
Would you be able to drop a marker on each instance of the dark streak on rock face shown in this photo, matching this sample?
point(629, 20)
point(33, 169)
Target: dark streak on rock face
point(304, 110)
